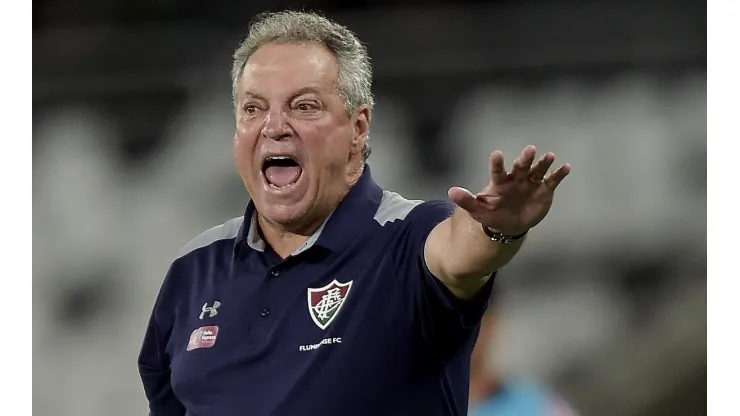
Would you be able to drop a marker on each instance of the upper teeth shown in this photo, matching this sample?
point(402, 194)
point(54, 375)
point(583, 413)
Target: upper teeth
point(278, 158)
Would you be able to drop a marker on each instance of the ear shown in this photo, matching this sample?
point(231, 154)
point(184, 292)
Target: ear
point(361, 124)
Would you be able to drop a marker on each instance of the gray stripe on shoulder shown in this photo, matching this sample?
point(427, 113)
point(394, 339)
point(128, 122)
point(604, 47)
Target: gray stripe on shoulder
point(394, 207)
point(227, 230)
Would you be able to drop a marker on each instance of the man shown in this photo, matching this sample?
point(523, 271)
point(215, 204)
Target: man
point(330, 296)
point(491, 395)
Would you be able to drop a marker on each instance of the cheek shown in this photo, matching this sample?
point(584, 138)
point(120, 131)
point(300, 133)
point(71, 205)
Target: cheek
point(332, 146)
point(331, 158)
point(242, 135)
point(243, 151)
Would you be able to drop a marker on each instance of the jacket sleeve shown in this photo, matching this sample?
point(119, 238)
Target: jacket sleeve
point(154, 361)
point(442, 317)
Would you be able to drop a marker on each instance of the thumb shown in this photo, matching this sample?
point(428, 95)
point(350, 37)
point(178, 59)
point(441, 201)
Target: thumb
point(464, 199)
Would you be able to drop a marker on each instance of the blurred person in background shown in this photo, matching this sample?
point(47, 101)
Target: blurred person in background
point(493, 395)
point(330, 295)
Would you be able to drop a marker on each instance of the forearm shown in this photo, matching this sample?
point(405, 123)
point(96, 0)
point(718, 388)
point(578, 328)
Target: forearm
point(458, 251)
point(462, 256)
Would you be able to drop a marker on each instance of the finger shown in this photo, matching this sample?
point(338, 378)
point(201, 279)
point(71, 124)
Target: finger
point(498, 171)
point(557, 176)
point(539, 170)
point(523, 163)
point(464, 199)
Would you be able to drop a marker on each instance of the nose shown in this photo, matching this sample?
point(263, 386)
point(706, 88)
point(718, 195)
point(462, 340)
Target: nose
point(276, 126)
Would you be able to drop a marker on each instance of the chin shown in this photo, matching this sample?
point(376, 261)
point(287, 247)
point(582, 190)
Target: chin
point(284, 215)
point(285, 209)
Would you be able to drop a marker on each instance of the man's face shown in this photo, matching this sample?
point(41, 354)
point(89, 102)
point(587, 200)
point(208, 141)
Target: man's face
point(294, 140)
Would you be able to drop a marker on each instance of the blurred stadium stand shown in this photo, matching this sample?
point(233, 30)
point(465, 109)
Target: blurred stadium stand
point(607, 303)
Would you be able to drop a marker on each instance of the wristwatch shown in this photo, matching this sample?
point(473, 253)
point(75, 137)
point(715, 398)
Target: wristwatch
point(500, 237)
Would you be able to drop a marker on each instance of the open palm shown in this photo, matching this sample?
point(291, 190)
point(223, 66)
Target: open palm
point(513, 202)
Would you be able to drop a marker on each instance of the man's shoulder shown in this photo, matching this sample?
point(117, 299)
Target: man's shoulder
point(394, 206)
point(225, 231)
point(180, 270)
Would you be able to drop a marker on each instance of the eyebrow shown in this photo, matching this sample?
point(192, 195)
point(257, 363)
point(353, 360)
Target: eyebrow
point(253, 95)
point(306, 90)
point(302, 91)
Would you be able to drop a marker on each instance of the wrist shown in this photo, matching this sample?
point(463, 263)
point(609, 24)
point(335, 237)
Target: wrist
point(504, 237)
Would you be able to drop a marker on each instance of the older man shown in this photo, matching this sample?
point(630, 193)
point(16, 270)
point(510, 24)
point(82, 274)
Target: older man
point(330, 296)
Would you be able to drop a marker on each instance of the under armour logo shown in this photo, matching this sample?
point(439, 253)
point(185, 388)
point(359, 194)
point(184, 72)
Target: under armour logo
point(210, 310)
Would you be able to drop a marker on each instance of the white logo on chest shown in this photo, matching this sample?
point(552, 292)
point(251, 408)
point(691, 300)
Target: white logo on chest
point(210, 310)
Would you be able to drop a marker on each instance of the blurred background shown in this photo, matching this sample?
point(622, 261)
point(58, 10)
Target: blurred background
point(606, 305)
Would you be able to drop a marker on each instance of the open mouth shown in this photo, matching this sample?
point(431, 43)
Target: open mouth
point(281, 171)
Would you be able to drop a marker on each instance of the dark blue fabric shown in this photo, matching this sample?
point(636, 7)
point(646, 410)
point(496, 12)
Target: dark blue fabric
point(399, 345)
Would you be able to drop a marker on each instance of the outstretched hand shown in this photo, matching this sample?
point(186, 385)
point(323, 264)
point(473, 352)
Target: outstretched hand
point(513, 202)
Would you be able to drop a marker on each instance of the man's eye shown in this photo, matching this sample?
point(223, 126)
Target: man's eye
point(306, 107)
point(250, 109)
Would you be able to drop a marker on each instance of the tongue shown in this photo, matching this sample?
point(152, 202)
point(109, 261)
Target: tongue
point(282, 175)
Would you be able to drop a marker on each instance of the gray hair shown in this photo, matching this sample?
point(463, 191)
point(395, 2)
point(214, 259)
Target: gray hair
point(355, 72)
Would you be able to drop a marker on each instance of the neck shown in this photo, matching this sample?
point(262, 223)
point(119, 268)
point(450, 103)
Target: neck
point(282, 241)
